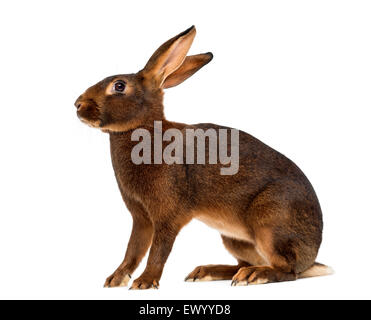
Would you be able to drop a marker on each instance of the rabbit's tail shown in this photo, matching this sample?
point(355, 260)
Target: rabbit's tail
point(317, 270)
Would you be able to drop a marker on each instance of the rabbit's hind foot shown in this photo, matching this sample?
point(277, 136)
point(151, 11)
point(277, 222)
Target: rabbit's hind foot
point(212, 273)
point(260, 275)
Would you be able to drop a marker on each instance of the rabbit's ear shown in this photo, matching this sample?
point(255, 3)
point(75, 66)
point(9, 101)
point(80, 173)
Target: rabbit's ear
point(190, 66)
point(169, 57)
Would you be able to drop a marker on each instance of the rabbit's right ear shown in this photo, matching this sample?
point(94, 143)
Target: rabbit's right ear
point(190, 66)
point(169, 57)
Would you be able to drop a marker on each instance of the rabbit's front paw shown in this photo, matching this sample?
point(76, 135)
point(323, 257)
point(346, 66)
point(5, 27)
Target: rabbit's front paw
point(144, 282)
point(119, 278)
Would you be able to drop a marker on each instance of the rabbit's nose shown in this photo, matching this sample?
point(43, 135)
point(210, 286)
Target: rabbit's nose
point(78, 103)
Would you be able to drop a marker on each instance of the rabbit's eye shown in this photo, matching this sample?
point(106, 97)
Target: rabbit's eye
point(119, 86)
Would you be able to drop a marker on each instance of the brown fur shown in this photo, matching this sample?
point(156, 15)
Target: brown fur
point(268, 213)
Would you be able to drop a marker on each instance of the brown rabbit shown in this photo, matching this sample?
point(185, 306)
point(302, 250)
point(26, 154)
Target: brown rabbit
point(268, 214)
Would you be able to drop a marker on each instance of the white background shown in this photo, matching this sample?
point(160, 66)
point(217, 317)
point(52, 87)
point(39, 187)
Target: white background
point(295, 74)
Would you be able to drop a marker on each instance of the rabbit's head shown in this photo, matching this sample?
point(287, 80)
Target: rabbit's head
point(124, 102)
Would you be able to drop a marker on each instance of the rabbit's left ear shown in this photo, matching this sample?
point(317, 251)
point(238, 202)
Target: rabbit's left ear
point(169, 57)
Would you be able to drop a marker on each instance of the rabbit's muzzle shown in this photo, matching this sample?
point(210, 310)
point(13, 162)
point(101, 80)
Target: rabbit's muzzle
point(87, 111)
